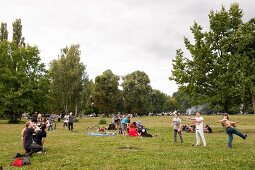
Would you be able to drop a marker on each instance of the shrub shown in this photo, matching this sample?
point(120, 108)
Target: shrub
point(102, 122)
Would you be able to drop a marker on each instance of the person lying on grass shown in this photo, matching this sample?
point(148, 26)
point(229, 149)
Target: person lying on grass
point(230, 130)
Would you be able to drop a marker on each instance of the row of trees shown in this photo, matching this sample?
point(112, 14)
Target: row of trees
point(133, 95)
point(220, 69)
point(27, 86)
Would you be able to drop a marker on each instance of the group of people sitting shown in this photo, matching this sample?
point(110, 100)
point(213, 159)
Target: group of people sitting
point(192, 128)
point(123, 124)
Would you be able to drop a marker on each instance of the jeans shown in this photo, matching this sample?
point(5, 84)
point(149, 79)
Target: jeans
point(175, 135)
point(33, 149)
point(70, 126)
point(200, 133)
point(230, 131)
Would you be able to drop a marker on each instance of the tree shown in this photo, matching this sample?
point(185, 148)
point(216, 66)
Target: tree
point(67, 75)
point(22, 75)
point(136, 92)
point(242, 43)
point(157, 101)
point(212, 73)
point(106, 92)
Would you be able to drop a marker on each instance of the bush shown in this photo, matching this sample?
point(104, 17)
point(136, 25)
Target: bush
point(102, 122)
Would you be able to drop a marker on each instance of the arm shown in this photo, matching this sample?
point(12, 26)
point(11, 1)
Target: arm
point(233, 123)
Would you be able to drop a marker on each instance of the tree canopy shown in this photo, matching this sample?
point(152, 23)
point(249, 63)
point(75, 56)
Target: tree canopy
point(219, 68)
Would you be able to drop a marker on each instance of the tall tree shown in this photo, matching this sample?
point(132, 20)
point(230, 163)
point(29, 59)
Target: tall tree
point(21, 76)
point(136, 92)
point(211, 74)
point(67, 75)
point(242, 43)
point(106, 92)
point(157, 100)
point(3, 32)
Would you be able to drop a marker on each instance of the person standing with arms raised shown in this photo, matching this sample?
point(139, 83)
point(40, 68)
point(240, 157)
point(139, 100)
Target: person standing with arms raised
point(199, 121)
point(230, 130)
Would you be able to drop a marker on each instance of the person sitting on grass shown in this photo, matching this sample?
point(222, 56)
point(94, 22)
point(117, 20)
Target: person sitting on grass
point(40, 135)
point(132, 130)
point(28, 144)
point(230, 130)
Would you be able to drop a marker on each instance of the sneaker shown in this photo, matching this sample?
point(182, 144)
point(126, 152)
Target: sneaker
point(245, 136)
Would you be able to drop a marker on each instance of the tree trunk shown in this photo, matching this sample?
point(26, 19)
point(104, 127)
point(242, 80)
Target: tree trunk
point(253, 103)
point(226, 107)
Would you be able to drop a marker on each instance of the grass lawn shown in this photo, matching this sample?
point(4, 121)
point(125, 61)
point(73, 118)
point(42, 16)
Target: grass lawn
point(76, 150)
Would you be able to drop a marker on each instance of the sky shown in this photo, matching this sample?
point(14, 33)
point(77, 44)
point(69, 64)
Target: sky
point(121, 35)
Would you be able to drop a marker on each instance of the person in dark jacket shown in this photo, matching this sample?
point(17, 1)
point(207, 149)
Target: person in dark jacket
point(28, 144)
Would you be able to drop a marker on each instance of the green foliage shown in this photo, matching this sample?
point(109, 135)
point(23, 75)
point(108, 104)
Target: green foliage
point(68, 77)
point(136, 92)
point(23, 79)
point(102, 122)
point(106, 92)
point(217, 72)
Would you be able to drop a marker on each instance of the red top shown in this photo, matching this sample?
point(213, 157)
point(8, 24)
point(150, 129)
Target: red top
point(132, 132)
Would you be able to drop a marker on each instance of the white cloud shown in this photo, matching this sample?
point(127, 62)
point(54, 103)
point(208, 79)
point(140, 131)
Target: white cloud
point(122, 35)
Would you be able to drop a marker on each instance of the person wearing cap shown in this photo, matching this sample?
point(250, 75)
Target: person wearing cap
point(176, 124)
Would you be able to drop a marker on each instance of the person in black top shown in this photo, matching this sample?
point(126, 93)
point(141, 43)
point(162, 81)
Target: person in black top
point(29, 146)
point(40, 135)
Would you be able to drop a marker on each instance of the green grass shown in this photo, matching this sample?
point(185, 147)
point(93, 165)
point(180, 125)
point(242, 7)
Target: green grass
point(76, 150)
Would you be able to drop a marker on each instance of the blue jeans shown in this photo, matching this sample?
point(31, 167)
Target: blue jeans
point(230, 131)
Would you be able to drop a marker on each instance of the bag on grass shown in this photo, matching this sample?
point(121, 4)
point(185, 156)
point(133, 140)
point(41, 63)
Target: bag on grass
point(18, 162)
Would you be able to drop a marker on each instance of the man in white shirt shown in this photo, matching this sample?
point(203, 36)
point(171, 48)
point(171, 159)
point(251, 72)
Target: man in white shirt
point(199, 121)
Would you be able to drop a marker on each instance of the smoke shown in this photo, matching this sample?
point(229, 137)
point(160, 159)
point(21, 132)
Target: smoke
point(198, 108)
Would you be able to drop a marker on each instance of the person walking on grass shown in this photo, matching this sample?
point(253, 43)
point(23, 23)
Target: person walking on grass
point(70, 121)
point(230, 130)
point(176, 124)
point(199, 121)
point(66, 119)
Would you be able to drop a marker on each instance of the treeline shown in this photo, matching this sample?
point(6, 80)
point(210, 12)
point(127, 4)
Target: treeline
point(26, 86)
point(220, 68)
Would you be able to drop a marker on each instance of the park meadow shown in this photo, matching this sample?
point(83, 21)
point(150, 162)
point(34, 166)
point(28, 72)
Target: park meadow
point(77, 150)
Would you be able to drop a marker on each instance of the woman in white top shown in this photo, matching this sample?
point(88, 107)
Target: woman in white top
point(66, 119)
point(199, 121)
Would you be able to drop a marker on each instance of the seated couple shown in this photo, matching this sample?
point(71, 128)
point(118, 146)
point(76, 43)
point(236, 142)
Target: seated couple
point(135, 131)
point(33, 138)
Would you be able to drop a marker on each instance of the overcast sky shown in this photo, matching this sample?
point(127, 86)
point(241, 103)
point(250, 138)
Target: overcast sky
point(121, 35)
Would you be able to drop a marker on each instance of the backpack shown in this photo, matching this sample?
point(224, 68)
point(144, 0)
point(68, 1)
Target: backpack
point(18, 162)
